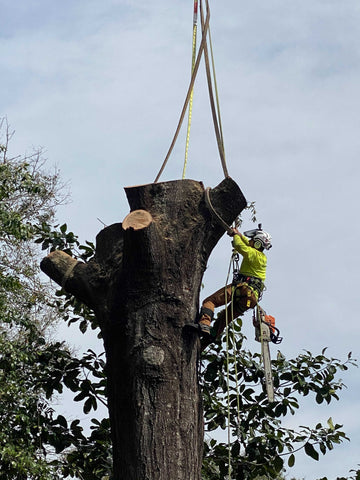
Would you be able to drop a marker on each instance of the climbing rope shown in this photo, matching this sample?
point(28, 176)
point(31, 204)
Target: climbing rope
point(217, 217)
point(228, 372)
point(233, 259)
point(215, 111)
point(192, 91)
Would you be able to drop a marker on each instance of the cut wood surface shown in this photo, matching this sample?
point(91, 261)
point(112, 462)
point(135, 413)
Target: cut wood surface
point(137, 220)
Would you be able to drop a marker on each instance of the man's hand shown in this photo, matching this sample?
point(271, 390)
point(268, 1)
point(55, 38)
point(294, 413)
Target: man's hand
point(234, 231)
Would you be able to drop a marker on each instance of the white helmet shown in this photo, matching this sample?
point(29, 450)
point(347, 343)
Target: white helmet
point(260, 237)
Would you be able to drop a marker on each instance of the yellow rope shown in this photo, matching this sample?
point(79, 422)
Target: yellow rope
point(192, 90)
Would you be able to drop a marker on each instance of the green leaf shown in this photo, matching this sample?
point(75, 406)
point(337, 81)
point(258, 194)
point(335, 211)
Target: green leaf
point(287, 391)
point(88, 405)
point(83, 326)
point(330, 423)
point(61, 421)
point(278, 463)
point(310, 451)
point(235, 449)
point(319, 398)
point(80, 396)
point(291, 461)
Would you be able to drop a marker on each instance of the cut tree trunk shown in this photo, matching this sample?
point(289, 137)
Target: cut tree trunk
point(143, 285)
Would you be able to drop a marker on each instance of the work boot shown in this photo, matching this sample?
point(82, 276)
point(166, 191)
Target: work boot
point(200, 328)
point(206, 316)
point(204, 325)
point(202, 322)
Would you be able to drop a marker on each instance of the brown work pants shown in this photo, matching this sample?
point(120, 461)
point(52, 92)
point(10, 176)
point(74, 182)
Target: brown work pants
point(243, 299)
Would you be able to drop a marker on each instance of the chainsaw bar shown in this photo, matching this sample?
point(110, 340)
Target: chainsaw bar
point(265, 339)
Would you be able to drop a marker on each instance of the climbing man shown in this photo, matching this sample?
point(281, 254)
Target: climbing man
point(247, 286)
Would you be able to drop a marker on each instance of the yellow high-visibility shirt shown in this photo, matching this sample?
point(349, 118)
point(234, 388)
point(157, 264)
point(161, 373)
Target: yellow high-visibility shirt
point(254, 262)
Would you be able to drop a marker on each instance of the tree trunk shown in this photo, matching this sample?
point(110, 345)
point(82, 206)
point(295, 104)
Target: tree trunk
point(143, 285)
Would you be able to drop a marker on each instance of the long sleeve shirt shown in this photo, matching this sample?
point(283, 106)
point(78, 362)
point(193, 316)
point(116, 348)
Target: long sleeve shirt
point(254, 262)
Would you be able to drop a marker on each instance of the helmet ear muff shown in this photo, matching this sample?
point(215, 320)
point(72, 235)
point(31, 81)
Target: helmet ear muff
point(257, 244)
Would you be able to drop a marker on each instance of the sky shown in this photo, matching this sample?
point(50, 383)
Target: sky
point(100, 87)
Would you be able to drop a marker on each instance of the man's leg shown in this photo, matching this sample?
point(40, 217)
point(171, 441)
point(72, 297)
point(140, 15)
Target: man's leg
point(243, 299)
point(217, 299)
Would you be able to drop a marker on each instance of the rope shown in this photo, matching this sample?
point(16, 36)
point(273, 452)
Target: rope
point(192, 91)
point(215, 112)
point(214, 212)
point(68, 273)
point(228, 373)
point(227, 364)
point(217, 93)
point(192, 81)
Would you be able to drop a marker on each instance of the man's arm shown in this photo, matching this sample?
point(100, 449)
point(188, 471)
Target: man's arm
point(235, 231)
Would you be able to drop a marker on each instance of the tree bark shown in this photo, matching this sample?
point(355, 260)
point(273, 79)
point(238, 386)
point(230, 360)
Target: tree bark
point(143, 285)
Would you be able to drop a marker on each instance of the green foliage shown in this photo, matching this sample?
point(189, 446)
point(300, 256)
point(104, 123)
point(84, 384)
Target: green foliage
point(20, 438)
point(71, 309)
point(92, 457)
point(59, 238)
point(35, 443)
point(28, 197)
point(260, 445)
point(31, 437)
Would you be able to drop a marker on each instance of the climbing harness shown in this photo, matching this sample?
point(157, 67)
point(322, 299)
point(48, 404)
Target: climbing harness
point(214, 107)
point(254, 283)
